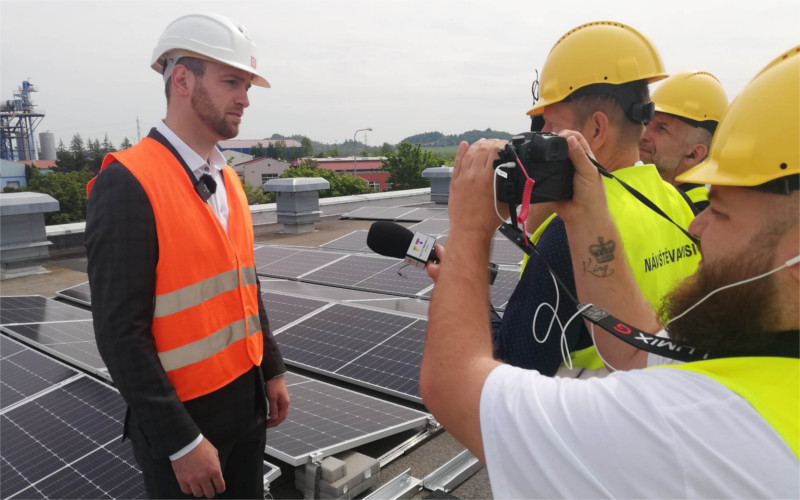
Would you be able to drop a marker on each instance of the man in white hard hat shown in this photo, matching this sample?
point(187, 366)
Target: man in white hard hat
point(688, 108)
point(724, 427)
point(176, 302)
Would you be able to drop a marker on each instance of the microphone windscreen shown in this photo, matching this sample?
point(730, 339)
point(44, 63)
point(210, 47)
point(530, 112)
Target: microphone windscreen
point(389, 239)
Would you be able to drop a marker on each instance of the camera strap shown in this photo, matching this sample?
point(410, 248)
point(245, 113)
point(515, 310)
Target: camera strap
point(785, 344)
point(643, 199)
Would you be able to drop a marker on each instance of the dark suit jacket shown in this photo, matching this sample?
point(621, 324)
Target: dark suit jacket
point(122, 250)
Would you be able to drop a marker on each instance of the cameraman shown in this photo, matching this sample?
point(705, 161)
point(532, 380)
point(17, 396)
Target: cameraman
point(688, 108)
point(594, 81)
point(721, 428)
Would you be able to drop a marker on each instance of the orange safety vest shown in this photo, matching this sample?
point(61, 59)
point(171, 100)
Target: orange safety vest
point(206, 325)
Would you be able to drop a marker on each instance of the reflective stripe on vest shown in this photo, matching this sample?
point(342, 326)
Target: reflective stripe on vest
point(770, 385)
point(658, 254)
point(206, 347)
point(206, 326)
point(192, 295)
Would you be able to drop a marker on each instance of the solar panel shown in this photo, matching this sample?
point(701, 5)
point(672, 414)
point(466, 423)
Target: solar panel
point(372, 273)
point(368, 347)
point(71, 341)
point(350, 270)
point(503, 287)
point(296, 264)
point(360, 213)
point(284, 309)
point(405, 214)
point(66, 444)
point(420, 214)
point(352, 242)
point(503, 250)
point(26, 372)
point(329, 419)
point(323, 292)
point(431, 227)
point(500, 291)
point(79, 294)
point(401, 278)
point(394, 364)
point(38, 309)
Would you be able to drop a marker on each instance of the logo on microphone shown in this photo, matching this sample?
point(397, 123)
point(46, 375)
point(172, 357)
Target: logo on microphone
point(419, 249)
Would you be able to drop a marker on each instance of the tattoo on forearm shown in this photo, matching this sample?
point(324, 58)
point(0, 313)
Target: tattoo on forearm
point(602, 253)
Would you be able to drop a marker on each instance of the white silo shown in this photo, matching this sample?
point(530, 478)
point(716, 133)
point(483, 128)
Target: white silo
point(47, 146)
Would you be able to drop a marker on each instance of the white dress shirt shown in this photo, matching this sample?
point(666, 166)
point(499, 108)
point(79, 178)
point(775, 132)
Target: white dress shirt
point(199, 166)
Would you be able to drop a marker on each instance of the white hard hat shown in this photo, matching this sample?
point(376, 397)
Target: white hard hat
point(207, 36)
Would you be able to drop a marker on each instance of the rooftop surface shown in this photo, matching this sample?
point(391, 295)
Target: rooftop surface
point(420, 460)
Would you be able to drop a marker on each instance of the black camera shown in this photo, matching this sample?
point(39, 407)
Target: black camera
point(545, 158)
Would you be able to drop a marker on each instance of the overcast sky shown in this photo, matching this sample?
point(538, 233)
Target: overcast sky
point(400, 67)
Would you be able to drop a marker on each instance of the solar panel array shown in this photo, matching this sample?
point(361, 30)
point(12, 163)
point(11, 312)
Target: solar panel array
point(334, 420)
point(27, 372)
point(329, 419)
point(55, 327)
point(61, 432)
point(376, 349)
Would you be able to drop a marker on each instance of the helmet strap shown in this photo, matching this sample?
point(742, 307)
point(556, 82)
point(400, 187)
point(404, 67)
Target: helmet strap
point(782, 185)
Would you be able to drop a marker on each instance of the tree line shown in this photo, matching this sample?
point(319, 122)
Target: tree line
point(439, 139)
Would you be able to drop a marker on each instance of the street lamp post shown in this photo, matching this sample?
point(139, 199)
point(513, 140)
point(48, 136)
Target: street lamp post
point(355, 165)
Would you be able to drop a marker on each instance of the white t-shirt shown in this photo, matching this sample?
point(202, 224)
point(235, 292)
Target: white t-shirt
point(660, 433)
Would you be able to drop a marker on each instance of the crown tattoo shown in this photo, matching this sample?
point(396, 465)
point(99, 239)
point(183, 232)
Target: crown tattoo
point(603, 251)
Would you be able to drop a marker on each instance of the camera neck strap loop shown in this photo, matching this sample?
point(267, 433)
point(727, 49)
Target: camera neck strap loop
point(644, 199)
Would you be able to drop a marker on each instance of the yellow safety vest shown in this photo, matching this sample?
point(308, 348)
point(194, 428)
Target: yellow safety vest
point(698, 194)
point(658, 253)
point(770, 384)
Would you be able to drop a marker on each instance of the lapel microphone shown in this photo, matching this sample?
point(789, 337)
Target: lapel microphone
point(205, 187)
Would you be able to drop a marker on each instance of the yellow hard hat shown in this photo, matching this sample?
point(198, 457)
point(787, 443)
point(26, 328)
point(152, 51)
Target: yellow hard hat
point(599, 52)
point(758, 139)
point(695, 95)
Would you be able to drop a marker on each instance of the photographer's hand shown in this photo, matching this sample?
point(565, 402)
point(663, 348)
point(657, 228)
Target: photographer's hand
point(589, 195)
point(471, 204)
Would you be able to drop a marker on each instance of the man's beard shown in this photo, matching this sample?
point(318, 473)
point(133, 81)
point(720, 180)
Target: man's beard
point(667, 168)
point(202, 105)
point(732, 322)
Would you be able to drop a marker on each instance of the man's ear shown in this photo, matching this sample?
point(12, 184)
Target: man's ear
point(696, 154)
point(182, 81)
point(597, 129)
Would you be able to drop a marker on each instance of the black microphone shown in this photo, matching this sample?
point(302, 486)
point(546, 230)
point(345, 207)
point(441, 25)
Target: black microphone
point(393, 240)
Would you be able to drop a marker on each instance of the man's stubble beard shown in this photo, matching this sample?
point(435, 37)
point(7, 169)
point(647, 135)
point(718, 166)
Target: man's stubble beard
point(210, 116)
